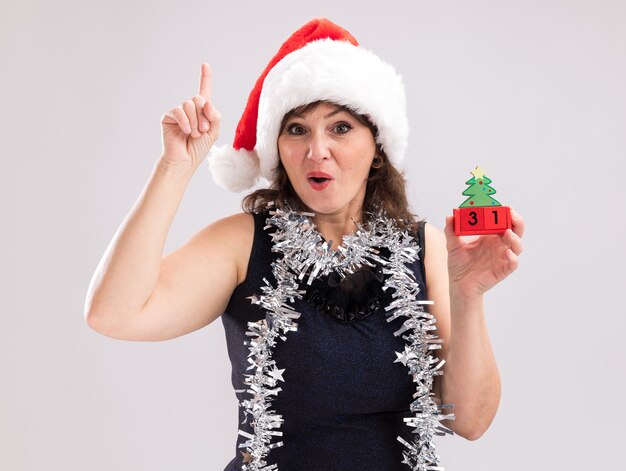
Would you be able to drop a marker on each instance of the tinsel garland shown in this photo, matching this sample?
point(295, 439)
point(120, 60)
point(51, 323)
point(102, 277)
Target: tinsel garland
point(305, 252)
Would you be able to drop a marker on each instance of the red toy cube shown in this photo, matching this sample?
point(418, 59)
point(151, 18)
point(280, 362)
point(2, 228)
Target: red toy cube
point(482, 220)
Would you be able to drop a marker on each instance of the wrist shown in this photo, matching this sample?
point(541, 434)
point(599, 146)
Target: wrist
point(181, 169)
point(461, 296)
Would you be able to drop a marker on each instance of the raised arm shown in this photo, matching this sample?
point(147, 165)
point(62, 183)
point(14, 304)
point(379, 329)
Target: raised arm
point(135, 293)
point(458, 273)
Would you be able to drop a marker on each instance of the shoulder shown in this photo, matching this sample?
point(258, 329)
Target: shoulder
point(430, 238)
point(234, 228)
point(236, 222)
point(234, 234)
point(434, 236)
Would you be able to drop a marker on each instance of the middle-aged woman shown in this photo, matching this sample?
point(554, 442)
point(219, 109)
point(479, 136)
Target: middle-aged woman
point(322, 281)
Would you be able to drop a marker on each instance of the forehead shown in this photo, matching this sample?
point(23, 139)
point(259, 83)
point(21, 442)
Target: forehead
point(330, 109)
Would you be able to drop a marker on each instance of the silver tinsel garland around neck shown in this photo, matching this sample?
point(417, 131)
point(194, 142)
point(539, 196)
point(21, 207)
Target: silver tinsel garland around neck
point(305, 254)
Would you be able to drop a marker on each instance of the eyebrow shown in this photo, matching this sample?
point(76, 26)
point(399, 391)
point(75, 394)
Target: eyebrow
point(333, 113)
point(329, 115)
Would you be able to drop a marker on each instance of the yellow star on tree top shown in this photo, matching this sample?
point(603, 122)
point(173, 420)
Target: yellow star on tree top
point(478, 172)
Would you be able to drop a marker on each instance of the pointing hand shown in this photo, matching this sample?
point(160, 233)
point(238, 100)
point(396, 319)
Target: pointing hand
point(191, 129)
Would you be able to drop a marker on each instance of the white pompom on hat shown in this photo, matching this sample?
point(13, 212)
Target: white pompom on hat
point(320, 61)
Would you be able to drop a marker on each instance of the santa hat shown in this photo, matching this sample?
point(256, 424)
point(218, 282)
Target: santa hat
point(320, 61)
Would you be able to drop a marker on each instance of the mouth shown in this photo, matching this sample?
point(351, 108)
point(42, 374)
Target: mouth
point(319, 180)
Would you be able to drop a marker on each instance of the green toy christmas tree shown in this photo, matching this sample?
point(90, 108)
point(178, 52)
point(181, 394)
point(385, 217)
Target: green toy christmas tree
point(479, 191)
point(481, 213)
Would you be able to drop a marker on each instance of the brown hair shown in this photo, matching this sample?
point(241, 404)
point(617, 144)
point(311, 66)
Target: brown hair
point(386, 186)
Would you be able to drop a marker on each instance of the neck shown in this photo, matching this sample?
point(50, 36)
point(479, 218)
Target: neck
point(335, 226)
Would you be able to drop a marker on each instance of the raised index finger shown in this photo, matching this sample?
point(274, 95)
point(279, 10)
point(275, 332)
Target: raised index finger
point(205, 81)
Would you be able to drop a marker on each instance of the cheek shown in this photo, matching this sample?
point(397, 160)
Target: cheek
point(288, 164)
point(289, 169)
point(288, 155)
point(362, 167)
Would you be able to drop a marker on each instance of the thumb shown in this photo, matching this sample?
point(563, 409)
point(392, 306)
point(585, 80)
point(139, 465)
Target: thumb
point(452, 241)
point(214, 117)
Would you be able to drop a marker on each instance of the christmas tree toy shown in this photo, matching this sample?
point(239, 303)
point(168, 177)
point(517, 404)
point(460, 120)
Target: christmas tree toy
point(481, 213)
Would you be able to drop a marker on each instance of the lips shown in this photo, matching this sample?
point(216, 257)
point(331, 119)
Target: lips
point(318, 180)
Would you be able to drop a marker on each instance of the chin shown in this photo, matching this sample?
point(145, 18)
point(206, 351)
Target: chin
point(325, 207)
point(316, 206)
point(325, 203)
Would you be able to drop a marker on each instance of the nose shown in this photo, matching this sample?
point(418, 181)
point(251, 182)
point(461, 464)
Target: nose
point(318, 149)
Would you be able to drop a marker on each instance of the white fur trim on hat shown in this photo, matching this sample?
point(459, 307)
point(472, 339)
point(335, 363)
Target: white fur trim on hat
point(234, 170)
point(339, 72)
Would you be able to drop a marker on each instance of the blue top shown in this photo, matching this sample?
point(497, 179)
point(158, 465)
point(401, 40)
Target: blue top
point(344, 398)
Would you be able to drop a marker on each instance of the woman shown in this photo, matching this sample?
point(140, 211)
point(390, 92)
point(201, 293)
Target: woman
point(322, 279)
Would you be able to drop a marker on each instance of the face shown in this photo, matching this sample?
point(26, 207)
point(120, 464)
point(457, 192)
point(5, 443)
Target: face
point(327, 154)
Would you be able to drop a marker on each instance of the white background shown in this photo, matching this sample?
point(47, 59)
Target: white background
point(533, 91)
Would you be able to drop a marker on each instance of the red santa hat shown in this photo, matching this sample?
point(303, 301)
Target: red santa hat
point(320, 61)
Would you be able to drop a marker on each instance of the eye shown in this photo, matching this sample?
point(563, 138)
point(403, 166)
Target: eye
point(342, 127)
point(295, 129)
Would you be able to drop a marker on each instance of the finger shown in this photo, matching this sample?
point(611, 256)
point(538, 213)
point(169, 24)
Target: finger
point(190, 110)
point(517, 223)
point(211, 112)
point(203, 121)
point(512, 241)
point(169, 118)
point(205, 81)
point(512, 262)
point(181, 119)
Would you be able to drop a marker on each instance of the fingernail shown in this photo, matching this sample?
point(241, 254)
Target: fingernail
point(204, 126)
